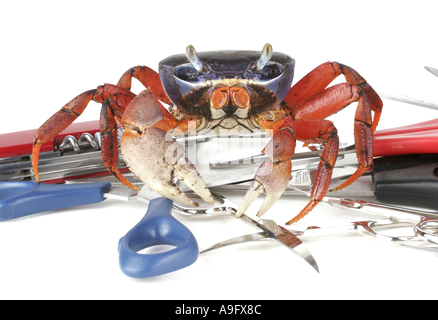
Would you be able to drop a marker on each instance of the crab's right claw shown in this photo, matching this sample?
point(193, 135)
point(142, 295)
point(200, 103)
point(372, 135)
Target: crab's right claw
point(156, 158)
point(271, 179)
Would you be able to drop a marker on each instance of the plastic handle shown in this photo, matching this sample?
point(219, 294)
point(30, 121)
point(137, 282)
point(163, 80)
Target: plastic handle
point(157, 227)
point(407, 180)
point(23, 198)
point(412, 139)
point(412, 128)
point(406, 143)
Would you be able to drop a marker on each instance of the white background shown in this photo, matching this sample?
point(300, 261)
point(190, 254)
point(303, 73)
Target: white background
point(52, 51)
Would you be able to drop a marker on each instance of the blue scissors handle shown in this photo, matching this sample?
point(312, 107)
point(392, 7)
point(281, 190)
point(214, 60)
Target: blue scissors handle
point(23, 198)
point(157, 227)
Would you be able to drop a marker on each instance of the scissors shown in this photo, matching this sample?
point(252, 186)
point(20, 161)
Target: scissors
point(224, 207)
point(157, 227)
point(23, 198)
point(425, 225)
point(367, 227)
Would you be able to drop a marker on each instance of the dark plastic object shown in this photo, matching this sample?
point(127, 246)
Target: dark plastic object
point(407, 180)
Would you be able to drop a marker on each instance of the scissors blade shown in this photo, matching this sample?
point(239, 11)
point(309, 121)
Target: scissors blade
point(260, 236)
point(432, 70)
point(409, 100)
point(296, 245)
point(285, 237)
point(121, 193)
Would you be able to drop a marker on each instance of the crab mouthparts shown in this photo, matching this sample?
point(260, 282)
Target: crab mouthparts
point(222, 97)
point(229, 107)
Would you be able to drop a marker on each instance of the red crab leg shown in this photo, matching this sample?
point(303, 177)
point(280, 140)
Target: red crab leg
point(148, 77)
point(58, 122)
point(320, 131)
point(319, 78)
point(117, 99)
point(333, 99)
point(108, 130)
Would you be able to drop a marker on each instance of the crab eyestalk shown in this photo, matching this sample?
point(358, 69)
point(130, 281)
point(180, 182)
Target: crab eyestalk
point(193, 57)
point(264, 57)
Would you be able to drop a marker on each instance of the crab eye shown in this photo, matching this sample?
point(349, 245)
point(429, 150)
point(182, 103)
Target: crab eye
point(187, 73)
point(270, 71)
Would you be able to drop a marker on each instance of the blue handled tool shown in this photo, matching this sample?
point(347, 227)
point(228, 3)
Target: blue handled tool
point(23, 198)
point(157, 227)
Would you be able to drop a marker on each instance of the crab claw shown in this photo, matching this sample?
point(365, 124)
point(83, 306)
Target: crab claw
point(156, 158)
point(271, 179)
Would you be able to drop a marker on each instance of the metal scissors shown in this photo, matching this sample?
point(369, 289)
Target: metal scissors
point(23, 198)
point(224, 207)
point(424, 225)
point(372, 228)
point(270, 229)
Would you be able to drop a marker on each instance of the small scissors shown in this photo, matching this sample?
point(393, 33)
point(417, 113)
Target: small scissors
point(425, 225)
point(224, 207)
point(367, 227)
point(22, 198)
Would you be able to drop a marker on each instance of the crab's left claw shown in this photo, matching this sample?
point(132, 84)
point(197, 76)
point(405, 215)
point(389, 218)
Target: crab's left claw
point(271, 179)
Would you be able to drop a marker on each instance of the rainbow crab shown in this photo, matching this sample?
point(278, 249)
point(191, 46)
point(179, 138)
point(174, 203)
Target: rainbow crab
point(219, 91)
